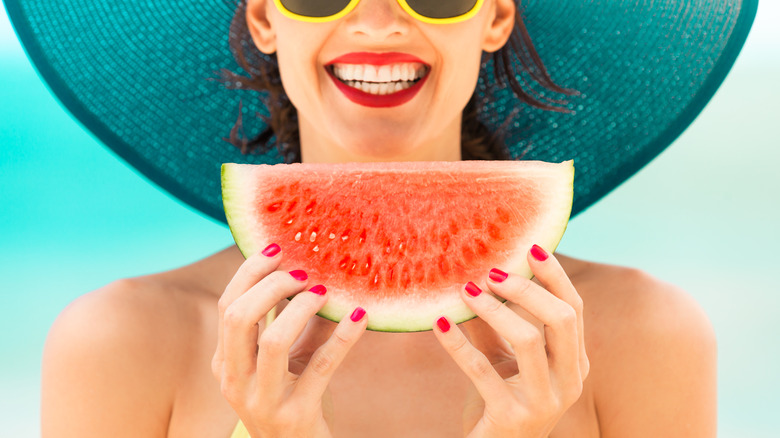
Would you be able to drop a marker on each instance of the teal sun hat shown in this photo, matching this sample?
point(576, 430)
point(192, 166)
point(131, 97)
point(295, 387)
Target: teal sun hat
point(140, 76)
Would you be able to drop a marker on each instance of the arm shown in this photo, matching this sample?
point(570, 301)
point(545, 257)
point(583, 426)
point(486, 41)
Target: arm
point(106, 366)
point(657, 362)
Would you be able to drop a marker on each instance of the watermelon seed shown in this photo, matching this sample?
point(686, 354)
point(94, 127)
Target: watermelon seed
point(313, 237)
point(343, 263)
point(354, 265)
point(331, 236)
point(362, 236)
point(310, 207)
point(482, 248)
point(316, 248)
point(494, 232)
point(405, 280)
point(292, 205)
point(275, 206)
point(298, 237)
point(289, 222)
point(503, 214)
point(468, 254)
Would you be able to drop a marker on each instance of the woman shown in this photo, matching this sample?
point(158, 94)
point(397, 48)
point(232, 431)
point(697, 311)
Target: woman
point(585, 350)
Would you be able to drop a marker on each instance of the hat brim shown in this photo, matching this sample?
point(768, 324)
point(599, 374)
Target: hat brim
point(140, 77)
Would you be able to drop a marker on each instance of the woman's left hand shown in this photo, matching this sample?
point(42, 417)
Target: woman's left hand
point(525, 378)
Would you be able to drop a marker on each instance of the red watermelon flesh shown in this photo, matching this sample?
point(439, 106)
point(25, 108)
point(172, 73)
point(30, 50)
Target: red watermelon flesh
point(399, 239)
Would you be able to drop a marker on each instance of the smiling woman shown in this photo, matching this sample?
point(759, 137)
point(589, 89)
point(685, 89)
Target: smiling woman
point(363, 72)
point(584, 350)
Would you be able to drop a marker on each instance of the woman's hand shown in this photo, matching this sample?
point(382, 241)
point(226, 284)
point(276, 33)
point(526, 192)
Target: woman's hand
point(278, 389)
point(524, 378)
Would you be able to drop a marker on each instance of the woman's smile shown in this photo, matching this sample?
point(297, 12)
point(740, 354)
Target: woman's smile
point(378, 80)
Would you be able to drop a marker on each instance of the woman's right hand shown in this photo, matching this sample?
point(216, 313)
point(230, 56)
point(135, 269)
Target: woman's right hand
point(253, 367)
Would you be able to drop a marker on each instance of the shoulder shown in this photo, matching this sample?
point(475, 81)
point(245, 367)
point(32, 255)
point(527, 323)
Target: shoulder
point(625, 305)
point(653, 353)
point(114, 357)
point(143, 313)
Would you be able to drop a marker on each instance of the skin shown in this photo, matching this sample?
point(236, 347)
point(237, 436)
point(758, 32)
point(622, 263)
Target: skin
point(584, 350)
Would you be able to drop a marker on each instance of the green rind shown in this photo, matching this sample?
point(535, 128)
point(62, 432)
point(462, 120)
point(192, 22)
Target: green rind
point(240, 229)
point(233, 181)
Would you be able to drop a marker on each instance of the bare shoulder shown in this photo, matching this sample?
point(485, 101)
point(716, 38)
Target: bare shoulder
point(618, 297)
point(652, 350)
point(114, 357)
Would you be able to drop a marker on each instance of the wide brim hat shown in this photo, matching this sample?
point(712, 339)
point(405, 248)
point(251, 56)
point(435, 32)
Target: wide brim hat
point(139, 75)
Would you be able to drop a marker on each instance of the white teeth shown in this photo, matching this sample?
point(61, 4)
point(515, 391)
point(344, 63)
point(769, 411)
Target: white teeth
point(370, 74)
point(383, 73)
point(385, 79)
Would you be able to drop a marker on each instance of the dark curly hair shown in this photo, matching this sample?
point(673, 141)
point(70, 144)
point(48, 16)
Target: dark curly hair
point(477, 141)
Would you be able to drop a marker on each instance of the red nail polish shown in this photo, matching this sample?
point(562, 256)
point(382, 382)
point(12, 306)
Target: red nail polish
point(538, 253)
point(472, 289)
point(443, 324)
point(318, 289)
point(497, 275)
point(357, 314)
point(271, 250)
point(299, 275)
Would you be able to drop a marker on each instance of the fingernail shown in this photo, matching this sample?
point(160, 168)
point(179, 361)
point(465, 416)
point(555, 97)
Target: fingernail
point(318, 289)
point(357, 314)
point(497, 275)
point(299, 275)
point(271, 250)
point(443, 324)
point(473, 289)
point(538, 253)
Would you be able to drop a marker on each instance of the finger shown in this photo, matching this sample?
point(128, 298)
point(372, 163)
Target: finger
point(241, 319)
point(277, 339)
point(525, 339)
point(474, 364)
point(551, 275)
point(249, 273)
point(316, 376)
point(254, 269)
point(558, 317)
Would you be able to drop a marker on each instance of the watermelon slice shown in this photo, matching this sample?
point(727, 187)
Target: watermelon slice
point(399, 239)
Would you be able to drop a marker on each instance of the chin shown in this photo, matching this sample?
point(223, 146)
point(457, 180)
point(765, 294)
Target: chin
point(383, 147)
point(380, 151)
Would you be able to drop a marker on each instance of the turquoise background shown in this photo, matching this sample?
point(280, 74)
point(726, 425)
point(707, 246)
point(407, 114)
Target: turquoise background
point(703, 215)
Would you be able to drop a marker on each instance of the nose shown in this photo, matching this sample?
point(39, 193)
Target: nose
point(378, 20)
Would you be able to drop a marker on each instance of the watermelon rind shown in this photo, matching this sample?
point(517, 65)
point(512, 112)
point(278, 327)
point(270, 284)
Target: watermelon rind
point(395, 316)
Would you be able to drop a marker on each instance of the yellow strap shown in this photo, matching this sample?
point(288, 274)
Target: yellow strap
point(240, 431)
point(270, 316)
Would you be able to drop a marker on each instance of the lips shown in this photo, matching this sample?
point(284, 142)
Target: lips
point(364, 88)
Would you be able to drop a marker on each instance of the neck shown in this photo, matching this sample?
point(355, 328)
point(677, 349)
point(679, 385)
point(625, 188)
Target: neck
point(385, 143)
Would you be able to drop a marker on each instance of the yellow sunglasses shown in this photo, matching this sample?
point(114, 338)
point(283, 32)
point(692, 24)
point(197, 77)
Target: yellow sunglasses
point(427, 11)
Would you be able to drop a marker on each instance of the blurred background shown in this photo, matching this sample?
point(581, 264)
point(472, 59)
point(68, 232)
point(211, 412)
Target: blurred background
point(703, 215)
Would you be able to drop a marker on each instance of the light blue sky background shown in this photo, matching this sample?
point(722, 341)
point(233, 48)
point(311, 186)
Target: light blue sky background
point(704, 215)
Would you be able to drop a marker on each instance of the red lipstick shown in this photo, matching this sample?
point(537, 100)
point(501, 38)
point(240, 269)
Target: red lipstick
point(373, 100)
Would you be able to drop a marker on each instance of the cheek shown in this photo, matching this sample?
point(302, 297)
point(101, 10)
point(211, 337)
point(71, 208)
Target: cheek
point(461, 74)
point(298, 67)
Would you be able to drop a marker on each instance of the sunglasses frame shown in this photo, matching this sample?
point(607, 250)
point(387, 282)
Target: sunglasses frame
point(404, 5)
